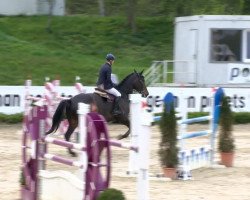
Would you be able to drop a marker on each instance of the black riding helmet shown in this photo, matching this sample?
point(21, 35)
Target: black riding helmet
point(110, 57)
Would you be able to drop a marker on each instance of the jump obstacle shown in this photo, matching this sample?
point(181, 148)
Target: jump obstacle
point(51, 97)
point(94, 148)
point(189, 159)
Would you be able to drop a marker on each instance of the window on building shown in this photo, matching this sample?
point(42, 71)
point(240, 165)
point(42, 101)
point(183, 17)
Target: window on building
point(226, 45)
point(246, 45)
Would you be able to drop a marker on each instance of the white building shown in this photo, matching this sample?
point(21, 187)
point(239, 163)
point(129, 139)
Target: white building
point(31, 7)
point(212, 50)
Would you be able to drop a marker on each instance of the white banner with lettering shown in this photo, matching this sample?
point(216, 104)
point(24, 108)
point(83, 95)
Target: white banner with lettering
point(195, 99)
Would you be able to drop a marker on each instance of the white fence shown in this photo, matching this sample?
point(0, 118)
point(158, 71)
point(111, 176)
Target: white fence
point(31, 7)
point(166, 72)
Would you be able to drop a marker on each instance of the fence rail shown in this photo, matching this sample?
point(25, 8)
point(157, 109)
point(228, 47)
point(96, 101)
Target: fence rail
point(175, 72)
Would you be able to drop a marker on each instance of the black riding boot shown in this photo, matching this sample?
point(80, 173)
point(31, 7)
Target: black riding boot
point(116, 109)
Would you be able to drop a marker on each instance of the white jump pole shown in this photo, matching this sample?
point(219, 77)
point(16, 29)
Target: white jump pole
point(140, 121)
point(135, 110)
point(145, 120)
point(183, 113)
point(212, 127)
point(82, 111)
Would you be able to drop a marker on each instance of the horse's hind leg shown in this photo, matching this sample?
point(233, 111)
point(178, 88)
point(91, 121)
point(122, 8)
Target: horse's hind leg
point(67, 137)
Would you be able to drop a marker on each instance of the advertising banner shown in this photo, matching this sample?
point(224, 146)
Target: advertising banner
point(12, 98)
point(238, 73)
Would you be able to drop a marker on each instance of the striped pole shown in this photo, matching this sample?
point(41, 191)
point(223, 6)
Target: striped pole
point(122, 145)
point(65, 161)
point(62, 143)
point(195, 120)
point(189, 135)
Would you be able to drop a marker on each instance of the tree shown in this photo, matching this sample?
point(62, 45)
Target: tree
point(50, 13)
point(101, 7)
point(226, 140)
point(131, 9)
point(226, 144)
point(168, 150)
point(232, 7)
point(246, 7)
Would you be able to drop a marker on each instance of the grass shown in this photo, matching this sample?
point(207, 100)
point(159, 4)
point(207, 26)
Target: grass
point(77, 45)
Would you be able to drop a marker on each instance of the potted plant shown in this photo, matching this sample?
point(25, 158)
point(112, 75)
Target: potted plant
point(226, 141)
point(168, 151)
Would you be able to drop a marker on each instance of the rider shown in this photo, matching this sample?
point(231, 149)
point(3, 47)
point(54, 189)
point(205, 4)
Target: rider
point(105, 83)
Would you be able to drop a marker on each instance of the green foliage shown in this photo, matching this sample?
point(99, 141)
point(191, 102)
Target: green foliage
point(241, 117)
point(226, 140)
point(198, 114)
point(78, 45)
point(168, 150)
point(238, 117)
point(22, 178)
point(166, 8)
point(11, 119)
point(111, 193)
point(246, 7)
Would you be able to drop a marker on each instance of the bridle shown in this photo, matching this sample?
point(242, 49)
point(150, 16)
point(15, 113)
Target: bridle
point(141, 82)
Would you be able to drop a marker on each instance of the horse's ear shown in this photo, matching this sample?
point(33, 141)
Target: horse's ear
point(135, 71)
point(142, 72)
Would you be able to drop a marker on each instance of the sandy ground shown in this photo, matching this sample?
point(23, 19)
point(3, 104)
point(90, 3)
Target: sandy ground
point(207, 184)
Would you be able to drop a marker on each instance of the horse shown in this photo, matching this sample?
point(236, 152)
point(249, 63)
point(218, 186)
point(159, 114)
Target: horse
point(103, 105)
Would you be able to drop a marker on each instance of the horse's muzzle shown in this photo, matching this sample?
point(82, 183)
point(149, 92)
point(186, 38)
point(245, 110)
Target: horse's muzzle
point(144, 94)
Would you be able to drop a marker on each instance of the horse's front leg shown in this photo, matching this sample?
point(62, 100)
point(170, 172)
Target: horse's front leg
point(125, 135)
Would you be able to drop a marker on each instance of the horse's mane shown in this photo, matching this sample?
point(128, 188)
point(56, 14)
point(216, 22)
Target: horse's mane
point(124, 80)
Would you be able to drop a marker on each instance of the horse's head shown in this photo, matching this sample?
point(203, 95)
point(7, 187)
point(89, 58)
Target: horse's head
point(139, 83)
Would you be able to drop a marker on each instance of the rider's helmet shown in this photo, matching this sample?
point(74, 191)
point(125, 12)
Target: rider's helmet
point(110, 57)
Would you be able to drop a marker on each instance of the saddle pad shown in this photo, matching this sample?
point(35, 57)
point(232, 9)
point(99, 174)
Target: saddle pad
point(102, 94)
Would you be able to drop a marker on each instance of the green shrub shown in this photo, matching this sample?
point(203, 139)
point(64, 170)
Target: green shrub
point(11, 119)
point(241, 117)
point(111, 194)
point(168, 150)
point(21, 178)
point(198, 114)
point(226, 140)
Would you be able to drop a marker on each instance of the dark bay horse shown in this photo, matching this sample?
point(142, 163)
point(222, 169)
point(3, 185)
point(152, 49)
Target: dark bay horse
point(68, 108)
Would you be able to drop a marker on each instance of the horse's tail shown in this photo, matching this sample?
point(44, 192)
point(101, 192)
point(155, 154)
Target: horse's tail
point(58, 116)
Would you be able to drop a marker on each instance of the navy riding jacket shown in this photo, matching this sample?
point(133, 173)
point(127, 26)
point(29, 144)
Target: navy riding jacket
point(105, 76)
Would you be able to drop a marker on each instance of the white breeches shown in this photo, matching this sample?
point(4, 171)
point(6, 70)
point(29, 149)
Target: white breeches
point(114, 91)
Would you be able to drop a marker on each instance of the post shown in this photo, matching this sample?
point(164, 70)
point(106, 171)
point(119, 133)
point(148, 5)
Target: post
point(27, 103)
point(135, 109)
point(212, 128)
point(83, 109)
point(183, 110)
point(165, 71)
point(143, 155)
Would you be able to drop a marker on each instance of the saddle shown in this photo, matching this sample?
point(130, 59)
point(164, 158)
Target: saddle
point(104, 94)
